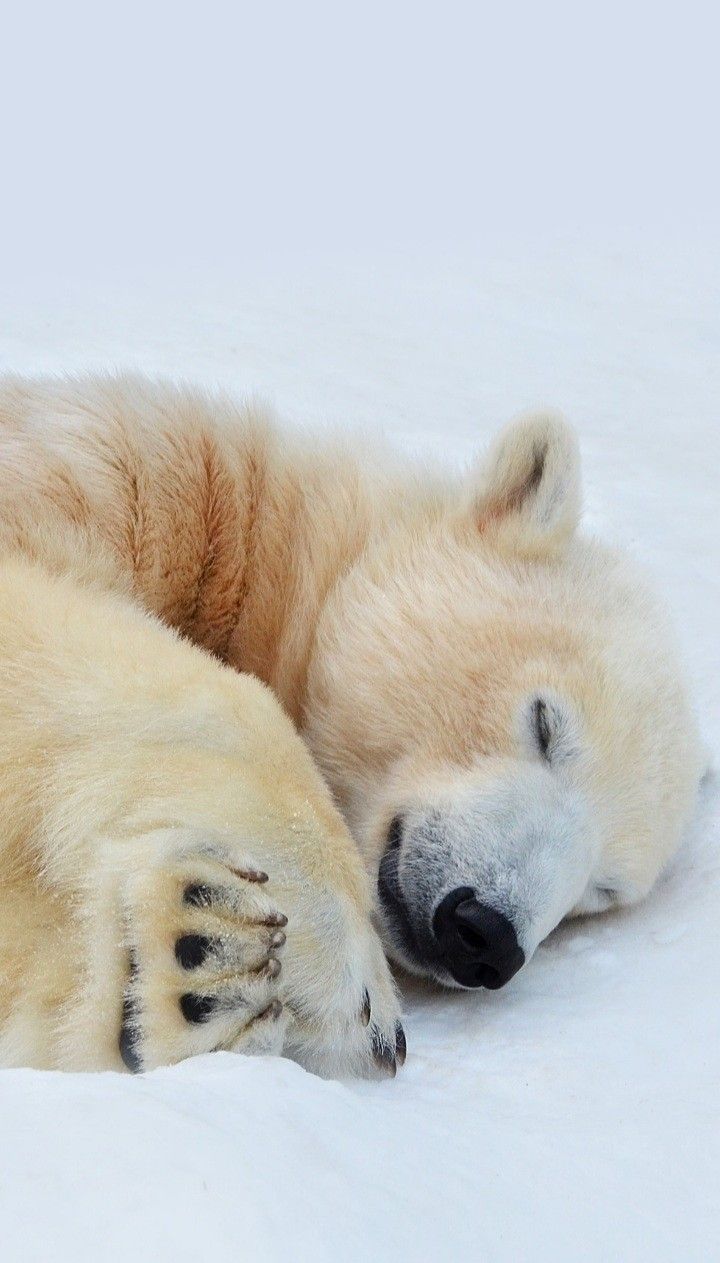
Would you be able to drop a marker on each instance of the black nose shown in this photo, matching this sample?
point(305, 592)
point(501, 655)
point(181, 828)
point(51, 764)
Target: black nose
point(477, 944)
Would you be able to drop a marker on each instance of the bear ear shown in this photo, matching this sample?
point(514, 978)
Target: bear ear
point(526, 491)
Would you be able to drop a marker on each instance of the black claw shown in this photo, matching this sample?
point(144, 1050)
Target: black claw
point(365, 1010)
point(197, 1008)
point(198, 895)
point(400, 1045)
point(128, 1041)
point(383, 1054)
point(191, 950)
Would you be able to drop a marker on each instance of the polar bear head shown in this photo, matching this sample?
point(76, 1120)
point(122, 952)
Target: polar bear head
point(497, 705)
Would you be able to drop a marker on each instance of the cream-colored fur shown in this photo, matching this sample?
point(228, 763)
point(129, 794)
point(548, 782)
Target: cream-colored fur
point(134, 768)
point(409, 626)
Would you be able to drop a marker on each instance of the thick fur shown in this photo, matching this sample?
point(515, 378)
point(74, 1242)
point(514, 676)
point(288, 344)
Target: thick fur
point(410, 628)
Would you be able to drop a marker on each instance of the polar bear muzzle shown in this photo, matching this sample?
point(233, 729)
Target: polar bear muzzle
point(472, 879)
point(470, 941)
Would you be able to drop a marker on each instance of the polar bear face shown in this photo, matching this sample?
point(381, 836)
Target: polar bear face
point(498, 708)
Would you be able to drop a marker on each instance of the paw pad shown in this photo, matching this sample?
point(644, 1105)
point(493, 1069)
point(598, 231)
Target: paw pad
point(128, 1042)
point(197, 895)
point(197, 1008)
point(192, 950)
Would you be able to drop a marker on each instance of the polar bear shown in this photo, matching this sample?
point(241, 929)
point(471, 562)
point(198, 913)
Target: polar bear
point(262, 695)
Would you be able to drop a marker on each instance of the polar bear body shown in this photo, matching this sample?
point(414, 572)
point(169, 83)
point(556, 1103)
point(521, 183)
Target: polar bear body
point(494, 703)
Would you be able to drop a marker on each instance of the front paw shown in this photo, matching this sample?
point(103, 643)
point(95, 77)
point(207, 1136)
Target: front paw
point(345, 1014)
point(206, 943)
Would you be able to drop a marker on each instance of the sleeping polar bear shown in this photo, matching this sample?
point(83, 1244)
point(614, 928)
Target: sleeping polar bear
point(495, 733)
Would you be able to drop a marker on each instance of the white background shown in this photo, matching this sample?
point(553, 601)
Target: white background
point(420, 221)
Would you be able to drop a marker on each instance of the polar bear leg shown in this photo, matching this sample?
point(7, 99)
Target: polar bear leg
point(148, 792)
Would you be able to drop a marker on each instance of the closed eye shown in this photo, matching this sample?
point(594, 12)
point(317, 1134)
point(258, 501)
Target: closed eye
point(543, 731)
point(553, 730)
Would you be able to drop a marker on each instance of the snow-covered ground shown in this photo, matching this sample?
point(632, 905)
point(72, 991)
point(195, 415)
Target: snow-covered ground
point(575, 1115)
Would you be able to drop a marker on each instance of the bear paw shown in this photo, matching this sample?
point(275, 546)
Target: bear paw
point(206, 943)
point(224, 957)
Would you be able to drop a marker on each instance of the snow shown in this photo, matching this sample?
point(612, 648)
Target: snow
point(577, 1113)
